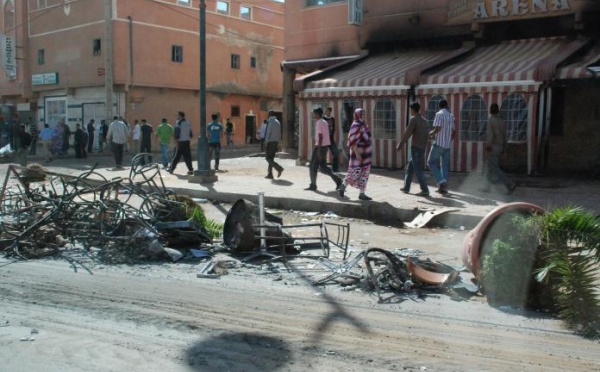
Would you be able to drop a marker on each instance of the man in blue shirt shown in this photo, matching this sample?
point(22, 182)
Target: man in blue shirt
point(214, 130)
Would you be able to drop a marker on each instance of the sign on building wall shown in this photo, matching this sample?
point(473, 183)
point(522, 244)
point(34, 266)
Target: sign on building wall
point(466, 11)
point(49, 78)
point(355, 12)
point(9, 60)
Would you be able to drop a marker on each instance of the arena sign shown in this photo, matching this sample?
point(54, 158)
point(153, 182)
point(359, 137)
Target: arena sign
point(466, 11)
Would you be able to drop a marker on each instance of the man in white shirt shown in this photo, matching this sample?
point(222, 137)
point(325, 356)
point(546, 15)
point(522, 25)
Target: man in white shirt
point(118, 135)
point(136, 137)
point(319, 154)
point(442, 136)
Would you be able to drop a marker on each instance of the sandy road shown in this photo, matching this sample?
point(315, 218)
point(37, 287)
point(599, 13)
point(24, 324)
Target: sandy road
point(114, 321)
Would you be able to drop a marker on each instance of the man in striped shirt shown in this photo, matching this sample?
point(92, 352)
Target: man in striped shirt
point(442, 136)
point(118, 135)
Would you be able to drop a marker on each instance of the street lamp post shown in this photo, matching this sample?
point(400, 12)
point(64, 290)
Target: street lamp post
point(203, 174)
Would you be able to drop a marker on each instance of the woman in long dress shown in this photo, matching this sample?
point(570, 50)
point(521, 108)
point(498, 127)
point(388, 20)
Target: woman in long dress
point(359, 146)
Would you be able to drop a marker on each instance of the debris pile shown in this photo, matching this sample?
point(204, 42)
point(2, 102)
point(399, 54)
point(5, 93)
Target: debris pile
point(382, 270)
point(126, 218)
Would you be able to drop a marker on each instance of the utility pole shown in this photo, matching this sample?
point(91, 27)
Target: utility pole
point(203, 174)
point(108, 60)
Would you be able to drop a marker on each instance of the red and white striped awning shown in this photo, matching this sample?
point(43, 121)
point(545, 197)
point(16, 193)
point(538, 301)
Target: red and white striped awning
point(516, 65)
point(579, 69)
point(376, 75)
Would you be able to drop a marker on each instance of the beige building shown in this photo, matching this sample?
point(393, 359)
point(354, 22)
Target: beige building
point(63, 61)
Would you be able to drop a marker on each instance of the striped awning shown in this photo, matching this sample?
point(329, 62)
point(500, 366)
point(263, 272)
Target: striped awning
point(516, 65)
point(579, 69)
point(375, 75)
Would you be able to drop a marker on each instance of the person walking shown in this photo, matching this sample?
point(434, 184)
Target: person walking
point(78, 143)
point(319, 154)
point(146, 140)
point(164, 136)
point(103, 134)
point(45, 137)
point(118, 136)
point(229, 132)
point(66, 134)
point(335, 158)
point(272, 138)
point(261, 134)
point(359, 165)
point(23, 142)
point(495, 146)
point(33, 132)
point(90, 131)
point(135, 138)
point(214, 131)
point(419, 131)
point(439, 157)
point(183, 135)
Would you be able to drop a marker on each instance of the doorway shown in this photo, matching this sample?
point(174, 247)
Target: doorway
point(250, 129)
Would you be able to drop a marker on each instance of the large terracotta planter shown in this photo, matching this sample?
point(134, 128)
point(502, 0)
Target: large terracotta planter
point(473, 242)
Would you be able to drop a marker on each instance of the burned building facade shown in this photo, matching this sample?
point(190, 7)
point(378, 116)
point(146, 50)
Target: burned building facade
point(537, 59)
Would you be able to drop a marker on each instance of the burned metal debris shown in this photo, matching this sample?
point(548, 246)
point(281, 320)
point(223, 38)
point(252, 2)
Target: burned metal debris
point(127, 218)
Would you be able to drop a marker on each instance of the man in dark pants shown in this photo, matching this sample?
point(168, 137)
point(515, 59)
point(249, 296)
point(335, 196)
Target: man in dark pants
point(103, 134)
point(118, 135)
point(272, 138)
point(319, 154)
point(183, 134)
point(495, 146)
point(90, 131)
point(146, 140)
point(214, 131)
point(418, 129)
point(335, 157)
point(78, 142)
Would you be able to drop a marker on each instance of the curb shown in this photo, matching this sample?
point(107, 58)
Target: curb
point(381, 212)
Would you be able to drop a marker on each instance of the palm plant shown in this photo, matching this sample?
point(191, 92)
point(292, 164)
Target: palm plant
point(570, 258)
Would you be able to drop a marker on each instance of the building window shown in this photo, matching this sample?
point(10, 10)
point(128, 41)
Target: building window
point(514, 112)
point(41, 4)
point(235, 61)
point(246, 12)
point(177, 53)
point(97, 47)
point(253, 62)
point(473, 119)
point(384, 119)
point(41, 56)
point(223, 7)
point(322, 2)
point(184, 2)
point(235, 111)
point(433, 106)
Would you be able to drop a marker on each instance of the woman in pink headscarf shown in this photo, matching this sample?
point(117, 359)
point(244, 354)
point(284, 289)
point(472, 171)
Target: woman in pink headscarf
point(359, 146)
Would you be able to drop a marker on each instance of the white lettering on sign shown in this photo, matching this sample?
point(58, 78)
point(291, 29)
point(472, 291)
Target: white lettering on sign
point(505, 8)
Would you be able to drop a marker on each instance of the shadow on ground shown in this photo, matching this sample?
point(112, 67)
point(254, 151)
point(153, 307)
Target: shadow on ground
point(243, 352)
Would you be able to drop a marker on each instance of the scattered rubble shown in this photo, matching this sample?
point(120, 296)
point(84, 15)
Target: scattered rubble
point(127, 218)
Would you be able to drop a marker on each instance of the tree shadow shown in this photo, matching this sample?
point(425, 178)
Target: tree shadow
point(243, 352)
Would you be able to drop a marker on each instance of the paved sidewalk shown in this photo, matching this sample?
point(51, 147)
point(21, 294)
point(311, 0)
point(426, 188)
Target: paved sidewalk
point(243, 177)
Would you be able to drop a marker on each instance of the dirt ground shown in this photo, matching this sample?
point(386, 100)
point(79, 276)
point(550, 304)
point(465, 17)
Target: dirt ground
point(161, 317)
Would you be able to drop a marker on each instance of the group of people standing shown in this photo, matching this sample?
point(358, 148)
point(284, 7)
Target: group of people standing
point(179, 136)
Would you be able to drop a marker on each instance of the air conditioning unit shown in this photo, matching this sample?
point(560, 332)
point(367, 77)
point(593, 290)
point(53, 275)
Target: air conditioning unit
point(355, 12)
